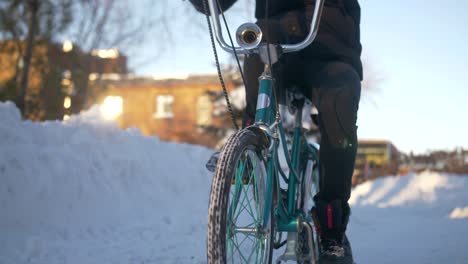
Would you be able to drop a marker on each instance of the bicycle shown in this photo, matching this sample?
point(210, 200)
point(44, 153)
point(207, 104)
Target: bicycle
point(249, 210)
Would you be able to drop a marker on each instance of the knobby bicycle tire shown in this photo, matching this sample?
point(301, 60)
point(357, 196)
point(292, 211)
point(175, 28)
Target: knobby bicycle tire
point(240, 176)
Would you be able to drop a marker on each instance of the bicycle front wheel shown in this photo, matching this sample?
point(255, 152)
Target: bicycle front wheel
point(236, 229)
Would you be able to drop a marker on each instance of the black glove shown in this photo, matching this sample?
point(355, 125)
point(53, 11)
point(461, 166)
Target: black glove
point(225, 4)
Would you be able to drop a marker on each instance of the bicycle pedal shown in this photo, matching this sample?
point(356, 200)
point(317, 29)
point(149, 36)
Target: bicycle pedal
point(212, 162)
point(290, 250)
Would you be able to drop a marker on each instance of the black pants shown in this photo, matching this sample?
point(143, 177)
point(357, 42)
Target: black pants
point(334, 87)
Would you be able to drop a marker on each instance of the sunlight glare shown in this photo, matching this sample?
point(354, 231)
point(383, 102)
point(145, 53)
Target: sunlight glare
point(67, 102)
point(112, 107)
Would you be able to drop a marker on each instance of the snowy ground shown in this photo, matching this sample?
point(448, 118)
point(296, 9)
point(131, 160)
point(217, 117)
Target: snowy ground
point(83, 191)
point(413, 219)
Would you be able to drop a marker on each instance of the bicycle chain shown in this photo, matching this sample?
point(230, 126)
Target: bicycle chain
point(218, 67)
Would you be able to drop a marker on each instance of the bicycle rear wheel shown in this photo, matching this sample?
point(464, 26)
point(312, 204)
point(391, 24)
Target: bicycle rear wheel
point(236, 233)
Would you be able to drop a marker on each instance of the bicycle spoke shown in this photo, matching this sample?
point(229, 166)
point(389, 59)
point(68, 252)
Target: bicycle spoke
point(250, 236)
point(253, 224)
point(245, 191)
point(257, 252)
point(262, 251)
point(255, 243)
point(243, 205)
point(231, 248)
point(252, 178)
point(238, 185)
point(253, 251)
point(259, 188)
point(249, 205)
point(240, 251)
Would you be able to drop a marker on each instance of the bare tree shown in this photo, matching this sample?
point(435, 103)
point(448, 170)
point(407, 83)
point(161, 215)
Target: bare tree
point(373, 79)
point(23, 22)
point(119, 24)
point(89, 24)
point(33, 8)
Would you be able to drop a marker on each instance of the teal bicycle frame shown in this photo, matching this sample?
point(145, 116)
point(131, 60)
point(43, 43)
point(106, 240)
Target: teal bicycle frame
point(289, 219)
point(269, 126)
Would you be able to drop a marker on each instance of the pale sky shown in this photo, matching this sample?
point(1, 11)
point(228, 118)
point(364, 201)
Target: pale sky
point(419, 47)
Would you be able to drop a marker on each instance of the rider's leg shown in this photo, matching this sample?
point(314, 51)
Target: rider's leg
point(336, 95)
point(337, 99)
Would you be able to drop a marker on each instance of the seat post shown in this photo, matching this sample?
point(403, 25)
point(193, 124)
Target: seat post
point(298, 105)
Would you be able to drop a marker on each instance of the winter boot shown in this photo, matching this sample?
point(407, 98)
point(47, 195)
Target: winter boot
point(333, 218)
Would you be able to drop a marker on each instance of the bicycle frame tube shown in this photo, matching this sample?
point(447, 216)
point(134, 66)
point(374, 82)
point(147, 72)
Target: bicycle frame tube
point(266, 115)
point(266, 102)
point(296, 150)
point(269, 192)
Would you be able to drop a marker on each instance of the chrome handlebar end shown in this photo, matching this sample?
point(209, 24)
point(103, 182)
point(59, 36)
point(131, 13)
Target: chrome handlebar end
point(248, 36)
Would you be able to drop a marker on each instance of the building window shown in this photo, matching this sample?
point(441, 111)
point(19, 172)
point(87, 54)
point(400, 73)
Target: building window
point(204, 109)
point(164, 106)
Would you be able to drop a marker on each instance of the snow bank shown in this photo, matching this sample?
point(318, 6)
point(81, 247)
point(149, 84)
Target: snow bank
point(84, 191)
point(427, 189)
point(80, 179)
point(459, 213)
point(416, 218)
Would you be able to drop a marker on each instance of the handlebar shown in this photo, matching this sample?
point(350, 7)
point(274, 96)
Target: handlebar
point(214, 11)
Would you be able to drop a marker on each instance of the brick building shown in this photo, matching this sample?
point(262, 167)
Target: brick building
point(58, 72)
point(183, 110)
point(375, 158)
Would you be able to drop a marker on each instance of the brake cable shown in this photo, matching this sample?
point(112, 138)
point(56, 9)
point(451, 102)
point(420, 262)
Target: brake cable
point(267, 39)
point(218, 67)
point(220, 76)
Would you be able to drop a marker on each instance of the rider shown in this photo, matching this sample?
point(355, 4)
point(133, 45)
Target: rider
point(329, 71)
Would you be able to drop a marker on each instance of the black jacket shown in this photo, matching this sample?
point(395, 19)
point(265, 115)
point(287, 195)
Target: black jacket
point(339, 32)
